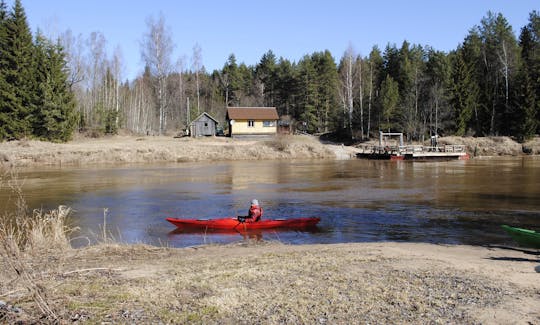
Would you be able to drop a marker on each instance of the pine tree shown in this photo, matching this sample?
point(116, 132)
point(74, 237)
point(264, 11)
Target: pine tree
point(17, 85)
point(389, 101)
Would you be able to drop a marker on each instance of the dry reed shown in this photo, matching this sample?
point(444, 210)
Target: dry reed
point(30, 246)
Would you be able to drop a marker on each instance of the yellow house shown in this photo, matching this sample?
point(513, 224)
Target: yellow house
point(244, 121)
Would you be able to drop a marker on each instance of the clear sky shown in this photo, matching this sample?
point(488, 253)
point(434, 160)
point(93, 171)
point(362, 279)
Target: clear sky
point(291, 29)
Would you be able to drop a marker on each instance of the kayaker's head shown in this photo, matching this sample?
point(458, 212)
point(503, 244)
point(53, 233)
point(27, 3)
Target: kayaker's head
point(254, 202)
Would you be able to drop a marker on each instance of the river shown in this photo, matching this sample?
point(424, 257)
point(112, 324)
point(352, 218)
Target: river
point(455, 202)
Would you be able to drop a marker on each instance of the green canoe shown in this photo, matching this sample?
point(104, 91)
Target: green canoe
point(524, 237)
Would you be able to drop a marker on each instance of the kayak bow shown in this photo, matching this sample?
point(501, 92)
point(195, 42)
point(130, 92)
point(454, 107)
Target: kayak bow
point(524, 237)
point(233, 223)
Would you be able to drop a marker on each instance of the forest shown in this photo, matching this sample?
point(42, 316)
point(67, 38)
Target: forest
point(488, 86)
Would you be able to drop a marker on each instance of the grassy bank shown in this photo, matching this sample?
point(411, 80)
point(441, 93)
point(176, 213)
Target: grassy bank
point(131, 149)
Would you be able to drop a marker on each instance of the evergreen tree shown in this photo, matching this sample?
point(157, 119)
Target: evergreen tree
point(389, 102)
point(499, 59)
point(464, 93)
point(55, 115)
point(17, 85)
point(307, 111)
point(266, 73)
point(529, 74)
point(231, 81)
point(526, 115)
point(5, 90)
point(437, 73)
point(327, 81)
point(286, 87)
point(375, 66)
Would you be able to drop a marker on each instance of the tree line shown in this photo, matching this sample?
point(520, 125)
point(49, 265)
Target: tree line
point(35, 100)
point(488, 85)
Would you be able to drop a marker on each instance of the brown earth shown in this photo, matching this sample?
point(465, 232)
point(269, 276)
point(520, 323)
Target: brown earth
point(273, 283)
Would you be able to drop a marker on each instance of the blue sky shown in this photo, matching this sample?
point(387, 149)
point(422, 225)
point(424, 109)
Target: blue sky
point(289, 28)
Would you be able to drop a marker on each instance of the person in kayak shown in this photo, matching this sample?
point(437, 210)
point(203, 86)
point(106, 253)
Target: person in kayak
point(254, 214)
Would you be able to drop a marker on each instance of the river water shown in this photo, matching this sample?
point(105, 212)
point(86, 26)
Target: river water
point(455, 202)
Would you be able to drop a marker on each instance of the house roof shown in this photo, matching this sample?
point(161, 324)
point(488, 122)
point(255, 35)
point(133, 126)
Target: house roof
point(252, 113)
point(207, 115)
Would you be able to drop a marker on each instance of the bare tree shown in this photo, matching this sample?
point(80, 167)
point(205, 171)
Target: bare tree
point(197, 63)
point(360, 94)
point(117, 67)
point(74, 50)
point(347, 74)
point(156, 50)
point(96, 72)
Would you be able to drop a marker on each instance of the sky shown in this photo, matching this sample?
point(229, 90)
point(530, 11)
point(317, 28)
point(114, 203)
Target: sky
point(250, 28)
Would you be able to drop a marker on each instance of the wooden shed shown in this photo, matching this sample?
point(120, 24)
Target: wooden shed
point(204, 125)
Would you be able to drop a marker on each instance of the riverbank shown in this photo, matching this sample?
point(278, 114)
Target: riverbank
point(155, 149)
point(273, 283)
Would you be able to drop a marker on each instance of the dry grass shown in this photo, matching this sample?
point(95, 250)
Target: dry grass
point(129, 149)
point(272, 283)
point(31, 245)
point(486, 146)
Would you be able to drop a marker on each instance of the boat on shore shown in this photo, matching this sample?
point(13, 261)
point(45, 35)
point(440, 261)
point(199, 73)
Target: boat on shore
point(232, 223)
point(524, 237)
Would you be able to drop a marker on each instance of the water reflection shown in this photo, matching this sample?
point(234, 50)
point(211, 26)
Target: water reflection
point(189, 237)
point(357, 200)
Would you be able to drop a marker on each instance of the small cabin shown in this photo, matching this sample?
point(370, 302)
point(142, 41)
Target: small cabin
point(204, 125)
point(252, 121)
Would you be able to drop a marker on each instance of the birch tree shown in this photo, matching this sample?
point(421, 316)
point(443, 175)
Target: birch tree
point(156, 51)
point(197, 64)
point(347, 82)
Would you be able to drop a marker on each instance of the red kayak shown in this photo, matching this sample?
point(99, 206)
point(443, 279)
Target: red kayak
point(233, 223)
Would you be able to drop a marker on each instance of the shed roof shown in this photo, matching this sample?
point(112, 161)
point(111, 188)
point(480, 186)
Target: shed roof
point(207, 115)
point(252, 113)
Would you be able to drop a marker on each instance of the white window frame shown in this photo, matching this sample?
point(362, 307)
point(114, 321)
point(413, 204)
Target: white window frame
point(251, 123)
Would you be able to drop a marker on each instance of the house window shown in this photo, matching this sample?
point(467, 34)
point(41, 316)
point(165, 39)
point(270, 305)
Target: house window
point(269, 123)
point(251, 123)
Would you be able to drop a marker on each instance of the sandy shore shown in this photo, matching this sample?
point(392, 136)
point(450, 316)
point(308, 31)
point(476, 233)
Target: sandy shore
point(273, 283)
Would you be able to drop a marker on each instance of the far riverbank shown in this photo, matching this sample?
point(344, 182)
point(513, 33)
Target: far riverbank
point(149, 149)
